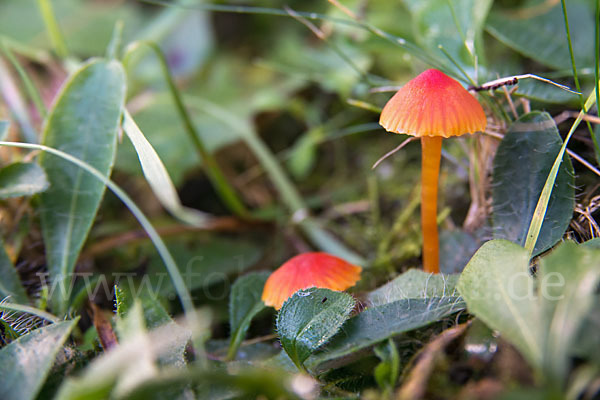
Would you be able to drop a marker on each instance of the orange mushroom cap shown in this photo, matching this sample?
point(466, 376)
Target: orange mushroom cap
point(433, 104)
point(308, 270)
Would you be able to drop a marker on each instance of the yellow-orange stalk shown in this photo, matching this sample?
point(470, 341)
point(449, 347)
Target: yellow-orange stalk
point(431, 152)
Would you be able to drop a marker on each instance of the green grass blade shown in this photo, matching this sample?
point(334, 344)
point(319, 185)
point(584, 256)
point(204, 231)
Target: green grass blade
point(114, 46)
point(215, 174)
point(576, 77)
point(542, 205)
point(16, 104)
point(31, 89)
point(160, 246)
point(289, 195)
point(395, 40)
point(157, 175)
point(460, 30)
point(56, 37)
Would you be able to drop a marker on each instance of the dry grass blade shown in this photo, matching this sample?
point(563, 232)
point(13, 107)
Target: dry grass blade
point(513, 80)
point(390, 153)
point(415, 385)
point(106, 334)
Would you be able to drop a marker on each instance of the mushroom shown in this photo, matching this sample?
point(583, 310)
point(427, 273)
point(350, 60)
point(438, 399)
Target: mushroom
point(308, 270)
point(432, 106)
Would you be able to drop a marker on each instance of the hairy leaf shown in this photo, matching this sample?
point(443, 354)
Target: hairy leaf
point(26, 362)
point(309, 318)
point(380, 323)
point(414, 284)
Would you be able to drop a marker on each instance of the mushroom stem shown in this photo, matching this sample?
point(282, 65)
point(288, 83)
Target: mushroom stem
point(431, 153)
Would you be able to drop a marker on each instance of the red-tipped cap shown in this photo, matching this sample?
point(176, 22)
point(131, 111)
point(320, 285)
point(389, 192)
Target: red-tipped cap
point(308, 270)
point(433, 104)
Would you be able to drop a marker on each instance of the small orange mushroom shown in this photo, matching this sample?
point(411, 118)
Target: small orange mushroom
point(432, 106)
point(308, 270)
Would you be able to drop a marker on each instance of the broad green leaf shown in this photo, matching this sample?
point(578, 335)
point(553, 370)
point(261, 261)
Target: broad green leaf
point(498, 289)
point(435, 25)
point(10, 283)
point(539, 33)
point(309, 318)
point(244, 303)
point(543, 317)
point(377, 324)
point(26, 362)
point(593, 243)
point(157, 176)
point(521, 166)
point(414, 284)
point(541, 208)
point(84, 123)
point(568, 280)
point(585, 345)
point(22, 179)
